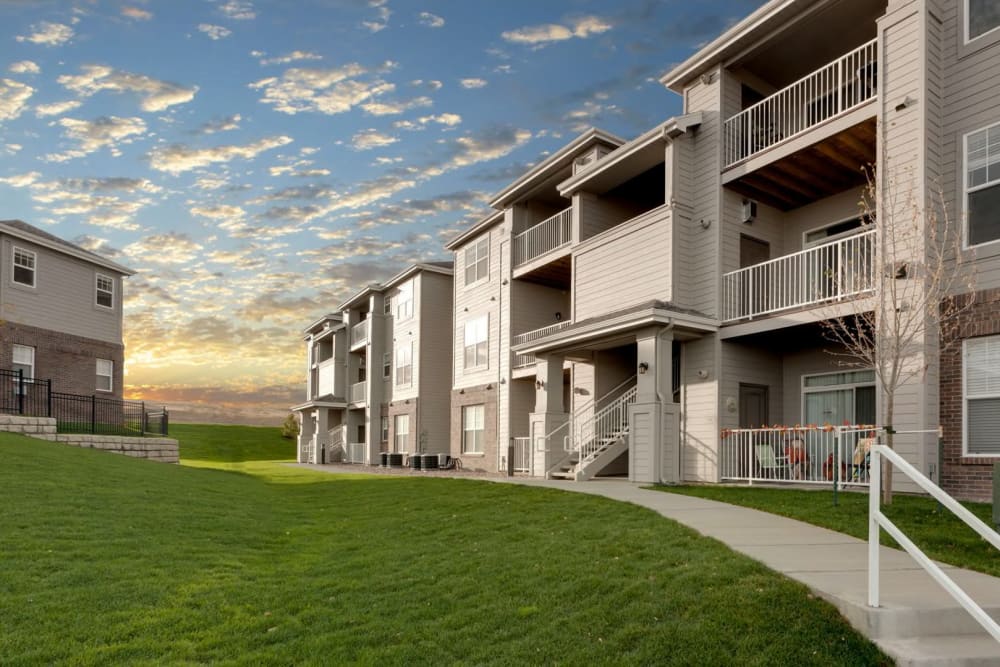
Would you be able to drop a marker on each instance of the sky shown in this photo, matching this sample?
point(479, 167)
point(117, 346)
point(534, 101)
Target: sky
point(258, 161)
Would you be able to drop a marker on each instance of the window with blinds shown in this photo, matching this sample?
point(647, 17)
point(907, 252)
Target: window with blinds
point(981, 375)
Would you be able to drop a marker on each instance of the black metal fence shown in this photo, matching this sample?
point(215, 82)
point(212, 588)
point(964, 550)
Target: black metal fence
point(75, 413)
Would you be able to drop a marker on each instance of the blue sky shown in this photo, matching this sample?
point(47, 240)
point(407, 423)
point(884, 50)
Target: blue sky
point(257, 161)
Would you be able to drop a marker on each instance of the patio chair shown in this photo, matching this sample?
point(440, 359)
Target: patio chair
point(798, 458)
point(770, 465)
point(861, 460)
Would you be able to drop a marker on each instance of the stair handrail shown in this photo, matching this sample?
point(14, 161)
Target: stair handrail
point(876, 520)
point(578, 435)
point(609, 422)
point(578, 413)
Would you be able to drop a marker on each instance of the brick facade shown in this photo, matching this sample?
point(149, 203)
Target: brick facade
point(965, 477)
point(485, 395)
point(69, 361)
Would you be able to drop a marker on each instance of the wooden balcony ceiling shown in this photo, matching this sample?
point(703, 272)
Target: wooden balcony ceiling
point(557, 273)
point(826, 168)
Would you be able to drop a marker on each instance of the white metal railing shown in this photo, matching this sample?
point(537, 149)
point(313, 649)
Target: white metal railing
point(524, 360)
point(522, 455)
point(607, 425)
point(359, 333)
point(829, 272)
point(834, 89)
point(356, 452)
point(797, 455)
point(877, 520)
point(529, 336)
point(546, 236)
point(359, 391)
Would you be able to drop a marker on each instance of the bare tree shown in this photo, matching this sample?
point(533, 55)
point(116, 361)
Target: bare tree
point(921, 283)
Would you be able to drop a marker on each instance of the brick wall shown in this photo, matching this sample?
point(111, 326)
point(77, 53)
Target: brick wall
point(69, 361)
point(487, 396)
point(968, 478)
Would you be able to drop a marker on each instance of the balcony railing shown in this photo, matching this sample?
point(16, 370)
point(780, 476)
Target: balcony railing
point(830, 91)
point(356, 452)
point(522, 455)
point(829, 272)
point(359, 333)
point(359, 390)
point(526, 360)
point(546, 236)
point(529, 336)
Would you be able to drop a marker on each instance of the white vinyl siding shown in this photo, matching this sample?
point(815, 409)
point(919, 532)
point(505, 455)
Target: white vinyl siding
point(477, 345)
point(404, 366)
point(24, 267)
point(477, 261)
point(401, 435)
point(981, 385)
point(105, 375)
point(105, 291)
point(981, 17)
point(24, 360)
point(473, 428)
point(404, 301)
point(982, 185)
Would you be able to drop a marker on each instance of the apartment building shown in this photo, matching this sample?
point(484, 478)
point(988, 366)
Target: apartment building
point(60, 312)
point(378, 371)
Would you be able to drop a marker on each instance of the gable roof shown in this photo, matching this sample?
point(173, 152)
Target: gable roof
point(22, 230)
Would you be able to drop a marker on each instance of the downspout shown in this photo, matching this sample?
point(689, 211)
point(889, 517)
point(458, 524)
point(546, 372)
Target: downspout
point(500, 351)
point(656, 385)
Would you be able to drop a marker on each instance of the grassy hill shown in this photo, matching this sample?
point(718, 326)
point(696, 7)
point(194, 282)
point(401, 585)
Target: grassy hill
point(106, 559)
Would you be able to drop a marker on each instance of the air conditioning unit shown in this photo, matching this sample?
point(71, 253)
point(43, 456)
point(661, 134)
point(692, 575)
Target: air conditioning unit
point(749, 211)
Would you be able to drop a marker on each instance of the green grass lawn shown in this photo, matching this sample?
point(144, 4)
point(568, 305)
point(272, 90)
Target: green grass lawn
point(107, 559)
point(938, 532)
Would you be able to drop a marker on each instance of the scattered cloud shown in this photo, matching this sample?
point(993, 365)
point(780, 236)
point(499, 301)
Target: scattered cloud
point(327, 91)
point(14, 97)
point(136, 13)
point(394, 108)
point(214, 32)
point(168, 248)
point(24, 67)
point(483, 146)
point(221, 124)
point(56, 108)
point(294, 56)
point(238, 10)
point(92, 135)
point(155, 95)
point(179, 158)
point(382, 12)
point(447, 119)
point(431, 20)
point(472, 83)
point(48, 34)
point(432, 84)
point(543, 35)
point(371, 138)
point(111, 202)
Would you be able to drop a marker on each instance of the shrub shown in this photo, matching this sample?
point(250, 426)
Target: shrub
point(290, 427)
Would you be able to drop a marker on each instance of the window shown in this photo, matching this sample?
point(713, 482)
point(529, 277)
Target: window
point(24, 267)
point(105, 373)
point(982, 185)
point(981, 378)
point(385, 429)
point(24, 360)
point(401, 435)
point(105, 291)
point(473, 429)
point(477, 261)
point(404, 300)
point(981, 17)
point(386, 365)
point(477, 334)
point(387, 306)
point(404, 366)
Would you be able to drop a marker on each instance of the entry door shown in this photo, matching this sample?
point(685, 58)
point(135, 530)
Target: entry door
point(753, 406)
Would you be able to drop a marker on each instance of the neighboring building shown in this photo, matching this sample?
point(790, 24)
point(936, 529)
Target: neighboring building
point(378, 371)
point(60, 312)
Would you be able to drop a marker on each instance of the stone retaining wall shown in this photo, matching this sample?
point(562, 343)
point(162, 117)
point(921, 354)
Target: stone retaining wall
point(164, 450)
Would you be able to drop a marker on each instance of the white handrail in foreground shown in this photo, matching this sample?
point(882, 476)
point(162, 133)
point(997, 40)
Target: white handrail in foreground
point(876, 520)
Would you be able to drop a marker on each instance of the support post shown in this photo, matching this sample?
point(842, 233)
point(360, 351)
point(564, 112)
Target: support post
point(874, 495)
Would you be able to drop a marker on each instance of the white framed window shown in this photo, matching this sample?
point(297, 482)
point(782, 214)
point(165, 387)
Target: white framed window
point(105, 374)
point(477, 343)
point(981, 17)
point(105, 291)
point(387, 305)
point(24, 360)
point(385, 428)
point(404, 300)
point(386, 365)
point(982, 186)
point(24, 267)
point(401, 433)
point(981, 396)
point(473, 428)
point(404, 365)
point(477, 261)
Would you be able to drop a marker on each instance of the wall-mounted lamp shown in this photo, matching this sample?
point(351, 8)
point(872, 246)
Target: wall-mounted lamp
point(503, 380)
point(907, 102)
point(643, 367)
point(504, 282)
point(558, 316)
point(705, 223)
point(703, 374)
point(539, 384)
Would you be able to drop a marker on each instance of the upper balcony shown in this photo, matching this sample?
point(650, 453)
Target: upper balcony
point(359, 334)
point(544, 247)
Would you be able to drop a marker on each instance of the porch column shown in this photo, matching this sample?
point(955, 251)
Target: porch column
point(322, 434)
point(549, 415)
point(306, 430)
point(653, 424)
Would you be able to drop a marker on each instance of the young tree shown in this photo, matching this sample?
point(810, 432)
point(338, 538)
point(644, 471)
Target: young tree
point(917, 270)
point(290, 427)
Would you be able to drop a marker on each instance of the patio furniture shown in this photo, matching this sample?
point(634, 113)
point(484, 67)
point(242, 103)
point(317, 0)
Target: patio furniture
point(798, 459)
point(861, 460)
point(770, 465)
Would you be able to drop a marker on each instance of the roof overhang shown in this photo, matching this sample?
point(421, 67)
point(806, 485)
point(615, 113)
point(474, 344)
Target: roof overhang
point(373, 288)
point(328, 321)
point(413, 270)
point(494, 218)
point(309, 405)
point(66, 249)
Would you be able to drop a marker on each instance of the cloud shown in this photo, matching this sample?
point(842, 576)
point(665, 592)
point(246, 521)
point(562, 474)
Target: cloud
point(136, 13)
point(298, 169)
point(100, 201)
point(589, 115)
point(432, 84)
point(393, 108)
point(413, 210)
point(221, 124)
point(56, 108)
point(167, 248)
point(101, 247)
point(48, 34)
point(446, 119)
point(106, 131)
point(238, 10)
point(542, 35)
point(155, 95)
point(179, 158)
point(488, 144)
point(21, 180)
point(327, 91)
point(308, 192)
point(214, 32)
point(227, 217)
point(24, 67)
point(383, 14)
point(371, 138)
point(292, 57)
point(14, 96)
point(431, 20)
point(472, 83)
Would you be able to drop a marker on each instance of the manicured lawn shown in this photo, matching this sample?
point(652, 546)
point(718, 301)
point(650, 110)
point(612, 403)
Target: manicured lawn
point(106, 559)
point(935, 530)
point(204, 442)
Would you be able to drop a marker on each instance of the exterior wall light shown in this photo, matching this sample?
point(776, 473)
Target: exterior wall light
point(643, 367)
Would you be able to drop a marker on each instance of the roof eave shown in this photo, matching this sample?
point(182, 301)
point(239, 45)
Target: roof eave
point(81, 254)
point(414, 269)
point(494, 218)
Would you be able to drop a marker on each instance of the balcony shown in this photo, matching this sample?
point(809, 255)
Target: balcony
point(359, 392)
point(359, 334)
point(525, 360)
point(529, 336)
point(829, 92)
point(327, 378)
point(828, 273)
point(548, 235)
